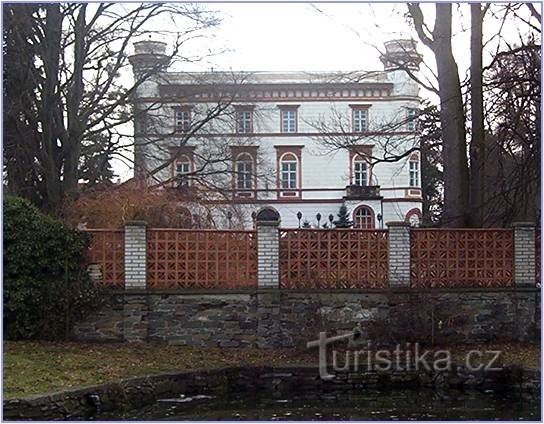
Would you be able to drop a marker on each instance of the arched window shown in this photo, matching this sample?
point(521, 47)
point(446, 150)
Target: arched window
point(363, 217)
point(244, 172)
point(360, 171)
point(414, 170)
point(288, 166)
point(183, 167)
point(413, 217)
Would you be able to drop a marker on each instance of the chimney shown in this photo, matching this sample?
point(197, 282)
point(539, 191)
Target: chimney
point(401, 54)
point(148, 55)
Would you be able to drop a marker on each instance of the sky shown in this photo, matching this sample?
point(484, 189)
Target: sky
point(324, 37)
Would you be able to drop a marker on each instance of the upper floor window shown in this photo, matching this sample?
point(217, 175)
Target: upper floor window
point(363, 217)
point(289, 171)
point(182, 119)
point(360, 119)
point(360, 171)
point(411, 118)
point(244, 121)
point(244, 172)
point(289, 120)
point(414, 170)
point(183, 167)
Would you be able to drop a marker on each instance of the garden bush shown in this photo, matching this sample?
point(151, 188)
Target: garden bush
point(46, 286)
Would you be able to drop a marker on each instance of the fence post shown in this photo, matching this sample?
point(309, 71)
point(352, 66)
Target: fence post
point(524, 254)
point(135, 255)
point(268, 248)
point(135, 308)
point(398, 247)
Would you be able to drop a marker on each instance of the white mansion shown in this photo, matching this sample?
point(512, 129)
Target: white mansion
point(304, 143)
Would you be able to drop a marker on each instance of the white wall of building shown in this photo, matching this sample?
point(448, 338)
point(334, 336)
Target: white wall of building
point(324, 171)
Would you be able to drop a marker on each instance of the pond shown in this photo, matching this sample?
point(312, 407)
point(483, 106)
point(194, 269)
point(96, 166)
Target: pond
point(393, 404)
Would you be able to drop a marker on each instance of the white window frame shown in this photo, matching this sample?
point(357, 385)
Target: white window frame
point(360, 119)
point(244, 171)
point(411, 119)
point(413, 170)
point(357, 218)
point(182, 120)
point(291, 182)
point(361, 177)
point(244, 121)
point(289, 118)
point(182, 167)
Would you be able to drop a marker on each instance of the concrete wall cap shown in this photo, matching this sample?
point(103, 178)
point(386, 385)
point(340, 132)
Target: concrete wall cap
point(523, 224)
point(397, 224)
point(135, 223)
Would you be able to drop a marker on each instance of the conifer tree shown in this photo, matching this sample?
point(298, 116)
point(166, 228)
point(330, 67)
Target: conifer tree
point(343, 220)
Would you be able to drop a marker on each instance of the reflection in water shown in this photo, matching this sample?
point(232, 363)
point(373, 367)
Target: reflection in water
point(408, 404)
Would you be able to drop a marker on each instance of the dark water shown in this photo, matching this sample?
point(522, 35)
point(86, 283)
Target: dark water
point(419, 404)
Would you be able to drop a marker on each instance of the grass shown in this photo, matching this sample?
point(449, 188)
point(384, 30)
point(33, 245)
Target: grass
point(41, 367)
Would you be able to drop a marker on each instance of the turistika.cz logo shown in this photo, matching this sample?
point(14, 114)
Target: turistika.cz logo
point(409, 357)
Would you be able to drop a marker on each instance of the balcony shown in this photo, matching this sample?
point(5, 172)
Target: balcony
point(358, 192)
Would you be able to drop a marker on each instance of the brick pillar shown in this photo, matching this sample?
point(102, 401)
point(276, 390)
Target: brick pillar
point(268, 248)
point(135, 255)
point(399, 253)
point(524, 254)
point(135, 304)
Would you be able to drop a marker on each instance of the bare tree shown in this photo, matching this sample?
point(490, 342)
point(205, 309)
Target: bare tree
point(452, 116)
point(75, 57)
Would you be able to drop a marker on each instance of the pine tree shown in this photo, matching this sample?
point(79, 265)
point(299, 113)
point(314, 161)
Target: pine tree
point(343, 220)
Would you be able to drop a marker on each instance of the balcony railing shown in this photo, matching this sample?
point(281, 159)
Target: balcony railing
point(358, 192)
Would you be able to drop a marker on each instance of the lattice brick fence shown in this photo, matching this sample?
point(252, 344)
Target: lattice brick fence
point(107, 250)
point(461, 258)
point(333, 258)
point(204, 259)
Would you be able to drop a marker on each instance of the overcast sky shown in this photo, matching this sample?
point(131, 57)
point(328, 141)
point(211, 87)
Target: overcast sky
point(325, 37)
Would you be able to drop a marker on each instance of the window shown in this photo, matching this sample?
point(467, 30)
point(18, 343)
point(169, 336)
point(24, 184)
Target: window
point(360, 171)
point(411, 119)
point(413, 217)
point(183, 167)
point(288, 164)
point(182, 120)
point(414, 171)
point(288, 120)
point(360, 120)
point(363, 218)
point(244, 172)
point(244, 121)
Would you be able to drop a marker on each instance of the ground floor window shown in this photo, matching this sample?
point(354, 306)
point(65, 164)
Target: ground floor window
point(363, 217)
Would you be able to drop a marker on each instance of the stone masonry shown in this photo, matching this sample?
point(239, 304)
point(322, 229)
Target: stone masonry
point(287, 318)
point(399, 253)
point(267, 316)
point(524, 254)
point(135, 255)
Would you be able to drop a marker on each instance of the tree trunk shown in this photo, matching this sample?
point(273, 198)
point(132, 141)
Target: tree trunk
point(452, 117)
point(72, 147)
point(49, 116)
point(477, 142)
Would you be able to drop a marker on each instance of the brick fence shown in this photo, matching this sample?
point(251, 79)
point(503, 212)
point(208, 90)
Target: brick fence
point(141, 258)
point(275, 287)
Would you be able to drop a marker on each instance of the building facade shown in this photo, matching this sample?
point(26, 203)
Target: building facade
point(304, 143)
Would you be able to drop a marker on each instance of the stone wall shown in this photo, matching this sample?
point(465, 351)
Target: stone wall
point(285, 318)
